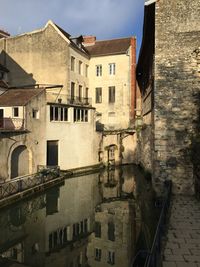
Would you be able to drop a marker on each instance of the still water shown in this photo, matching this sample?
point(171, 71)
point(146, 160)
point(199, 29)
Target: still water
point(100, 219)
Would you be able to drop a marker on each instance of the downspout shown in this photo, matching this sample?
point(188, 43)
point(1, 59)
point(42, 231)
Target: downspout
point(133, 80)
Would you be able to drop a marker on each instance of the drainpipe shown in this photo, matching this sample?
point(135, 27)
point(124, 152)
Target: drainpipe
point(133, 80)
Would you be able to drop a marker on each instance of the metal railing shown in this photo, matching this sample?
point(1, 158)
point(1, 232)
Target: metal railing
point(22, 183)
point(13, 124)
point(153, 258)
point(54, 97)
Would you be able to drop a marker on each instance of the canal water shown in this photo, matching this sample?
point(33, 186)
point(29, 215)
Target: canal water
point(100, 219)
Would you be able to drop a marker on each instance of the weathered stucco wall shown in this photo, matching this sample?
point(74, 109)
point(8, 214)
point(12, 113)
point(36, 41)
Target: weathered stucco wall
point(113, 115)
point(177, 37)
point(33, 58)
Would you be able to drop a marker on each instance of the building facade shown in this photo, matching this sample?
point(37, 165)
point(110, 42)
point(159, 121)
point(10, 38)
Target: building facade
point(61, 120)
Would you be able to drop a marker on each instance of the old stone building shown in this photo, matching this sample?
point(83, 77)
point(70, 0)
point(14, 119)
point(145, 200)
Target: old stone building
point(56, 127)
point(63, 123)
point(113, 91)
point(168, 77)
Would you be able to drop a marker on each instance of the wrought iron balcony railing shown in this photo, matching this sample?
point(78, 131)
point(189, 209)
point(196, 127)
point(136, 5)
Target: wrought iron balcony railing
point(12, 124)
point(68, 99)
point(77, 100)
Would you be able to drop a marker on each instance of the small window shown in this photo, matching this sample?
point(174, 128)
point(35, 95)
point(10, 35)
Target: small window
point(97, 254)
point(72, 92)
point(73, 63)
point(16, 112)
point(35, 113)
point(98, 70)
point(1, 75)
point(97, 229)
point(80, 88)
point(112, 68)
point(80, 67)
point(111, 231)
point(111, 96)
point(111, 257)
point(98, 95)
point(86, 70)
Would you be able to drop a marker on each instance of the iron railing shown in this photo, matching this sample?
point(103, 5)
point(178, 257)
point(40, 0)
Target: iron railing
point(13, 124)
point(56, 98)
point(22, 183)
point(153, 258)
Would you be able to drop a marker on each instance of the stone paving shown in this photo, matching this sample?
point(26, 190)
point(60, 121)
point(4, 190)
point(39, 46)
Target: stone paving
point(182, 244)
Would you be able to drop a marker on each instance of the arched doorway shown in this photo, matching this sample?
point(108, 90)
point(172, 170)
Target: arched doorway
point(19, 161)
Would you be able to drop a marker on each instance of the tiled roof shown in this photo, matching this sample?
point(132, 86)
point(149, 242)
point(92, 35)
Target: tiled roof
point(66, 34)
point(18, 97)
point(109, 47)
point(4, 69)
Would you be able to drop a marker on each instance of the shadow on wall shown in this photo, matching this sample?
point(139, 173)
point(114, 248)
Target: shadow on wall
point(195, 150)
point(176, 122)
point(17, 76)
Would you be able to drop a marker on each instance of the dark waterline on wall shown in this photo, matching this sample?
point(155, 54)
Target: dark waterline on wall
point(100, 219)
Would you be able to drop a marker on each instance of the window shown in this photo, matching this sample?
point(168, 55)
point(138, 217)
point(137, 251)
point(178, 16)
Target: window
point(111, 96)
point(16, 112)
point(112, 153)
point(111, 231)
point(80, 67)
point(73, 63)
point(97, 229)
point(111, 257)
point(97, 254)
point(85, 225)
point(86, 70)
point(57, 238)
point(80, 115)
point(72, 90)
point(80, 87)
point(35, 113)
point(58, 113)
point(98, 95)
point(112, 68)
point(86, 102)
point(98, 70)
point(1, 75)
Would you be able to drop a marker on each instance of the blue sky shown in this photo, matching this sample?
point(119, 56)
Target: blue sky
point(106, 19)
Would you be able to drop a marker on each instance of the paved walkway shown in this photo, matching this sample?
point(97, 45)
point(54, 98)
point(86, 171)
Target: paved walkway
point(182, 246)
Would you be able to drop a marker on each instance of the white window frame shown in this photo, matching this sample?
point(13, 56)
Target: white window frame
point(112, 68)
point(99, 70)
point(13, 111)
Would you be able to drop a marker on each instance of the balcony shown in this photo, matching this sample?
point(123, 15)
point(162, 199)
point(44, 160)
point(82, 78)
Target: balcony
point(68, 99)
point(11, 124)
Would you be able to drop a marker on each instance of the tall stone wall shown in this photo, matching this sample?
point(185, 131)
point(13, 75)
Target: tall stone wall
point(176, 90)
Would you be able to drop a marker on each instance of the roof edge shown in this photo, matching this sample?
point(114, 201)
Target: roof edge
point(149, 2)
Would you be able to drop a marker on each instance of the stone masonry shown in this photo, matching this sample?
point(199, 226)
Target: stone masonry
point(182, 246)
point(176, 91)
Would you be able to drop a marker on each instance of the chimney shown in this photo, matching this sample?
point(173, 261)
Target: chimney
point(89, 40)
point(4, 34)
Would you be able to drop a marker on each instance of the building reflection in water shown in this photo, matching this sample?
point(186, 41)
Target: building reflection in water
point(92, 220)
point(115, 228)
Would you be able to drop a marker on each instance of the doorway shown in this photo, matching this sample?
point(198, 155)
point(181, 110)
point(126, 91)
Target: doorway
point(52, 153)
point(19, 161)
